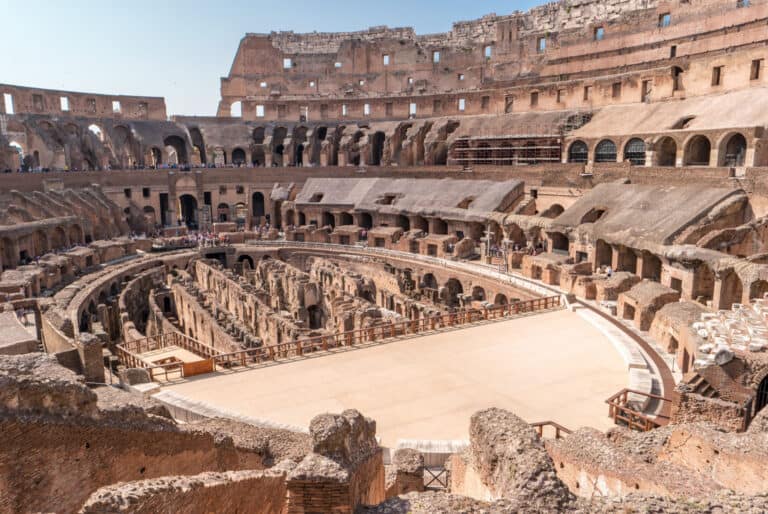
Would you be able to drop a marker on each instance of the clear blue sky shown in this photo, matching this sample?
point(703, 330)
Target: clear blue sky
point(179, 49)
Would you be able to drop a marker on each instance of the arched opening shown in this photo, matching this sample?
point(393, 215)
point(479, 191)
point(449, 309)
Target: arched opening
point(516, 235)
point(278, 145)
point(315, 315)
point(246, 261)
point(593, 215)
point(453, 292)
point(241, 213)
point(404, 223)
point(634, 151)
point(440, 226)
point(429, 281)
point(236, 109)
point(167, 304)
point(731, 291)
point(346, 218)
point(697, 151)
point(500, 300)
point(666, 152)
point(299, 158)
point(578, 152)
point(222, 212)
point(419, 223)
point(197, 141)
point(605, 151)
point(603, 253)
point(478, 294)
point(41, 243)
point(329, 220)
point(96, 131)
point(257, 205)
point(179, 146)
point(290, 218)
point(20, 152)
point(75, 234)
point(366, 220)
point(302, 219)
point(238, 156)
point(758, 289)
point(156, 157)
point(761, 398)
point(258, 157)
point(188, 210)
point(734, 151)
point(377, 148)
point(553, 211)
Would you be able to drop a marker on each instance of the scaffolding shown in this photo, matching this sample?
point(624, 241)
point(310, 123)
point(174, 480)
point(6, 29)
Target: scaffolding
point(506, 151)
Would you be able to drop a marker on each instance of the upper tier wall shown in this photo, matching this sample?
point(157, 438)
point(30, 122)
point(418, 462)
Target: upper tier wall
point(29, 100)
point(496, 61)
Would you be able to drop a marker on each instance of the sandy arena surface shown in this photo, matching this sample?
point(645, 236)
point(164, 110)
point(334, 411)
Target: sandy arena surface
point(553, 366)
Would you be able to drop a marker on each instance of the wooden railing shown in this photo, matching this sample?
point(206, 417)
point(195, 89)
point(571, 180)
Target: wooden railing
point(380, 333)
point(560, 430)
point(130, 353)
point(619, 410)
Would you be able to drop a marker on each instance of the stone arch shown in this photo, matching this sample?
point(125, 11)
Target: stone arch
point(40, 241)
point(593, 215)
point(478, 294)
point(501, 299)
point(605, 151)
point(179, 146)
point(196, 136)
point(731, 290)
point(238, 157)
point(440, 226)
point(516, 235)
point(96, 131)
point(188, 210)
point(697, 151)
point(634, 151)
point(758, 289)
point(278, 146)
point(58, 238)
point(345, 218)
point(665, 151)
point(428, 281)
point(290, 217)
point(553, 211)
point(75, 234)
point(302, 219)
point(246, 259)
point(578, 152)
point(732, 150)
point(403, 222)
point(366, 220)
point(452, 292)
point(223, 212)
point(377, 147)
point(258, 205)
point(328, 220)
point(236, 109)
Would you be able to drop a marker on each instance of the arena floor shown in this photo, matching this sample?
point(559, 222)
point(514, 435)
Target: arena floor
point(554, 366)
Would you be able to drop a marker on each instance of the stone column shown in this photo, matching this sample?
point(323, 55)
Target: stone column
point(91, 358)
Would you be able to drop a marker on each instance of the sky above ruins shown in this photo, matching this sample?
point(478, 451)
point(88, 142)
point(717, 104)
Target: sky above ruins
point(180, 49)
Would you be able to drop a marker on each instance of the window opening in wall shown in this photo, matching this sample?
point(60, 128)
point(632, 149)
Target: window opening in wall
point(287, 64)
point(435, 57)
point(316, 198)
point(412, 109)
point(560, 95)
point(616, 90)
point(677, 79)
point(236, 110)
point(127, 192)
point(239, 190)
point(282, 111)
point(343, 109)
point(717, 75)
point(116, 106)
point(222, 190)
point(645, 93)
point(462, 104)
point(8, 101)
point(485, 103)
point(534, 99)
point(587, 93)
point(488, 51)
point(410, 81)
point(754, 72)
point(386, 60)
point(673, 51)
point(263, 85)
point(665, 20)
point(145, 192)
point(388, 108)
point(312, 83)
point(541, 46)
point(367, 109)
point(437, 106)
point(64, 104)
point(599, 33)
point(461, 77)
point(742, 3)
point(509, 104)
point(337, 65)
point(361, 82)
point(259, 111)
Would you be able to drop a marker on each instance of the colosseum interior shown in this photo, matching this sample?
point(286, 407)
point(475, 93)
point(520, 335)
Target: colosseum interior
point(532, 251)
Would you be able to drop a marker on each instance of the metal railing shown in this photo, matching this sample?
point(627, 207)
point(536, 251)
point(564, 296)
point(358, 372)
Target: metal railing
point(130, 353)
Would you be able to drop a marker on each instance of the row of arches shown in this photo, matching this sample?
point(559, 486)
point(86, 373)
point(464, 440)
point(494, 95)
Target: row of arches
point(697, 151)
